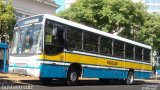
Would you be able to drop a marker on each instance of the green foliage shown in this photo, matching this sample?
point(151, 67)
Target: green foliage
point(108, 15)
point(87, 12)
point(150, 32)
point(7, 18)
point(127, 19)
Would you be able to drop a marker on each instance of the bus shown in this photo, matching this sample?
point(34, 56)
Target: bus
point(50, 47)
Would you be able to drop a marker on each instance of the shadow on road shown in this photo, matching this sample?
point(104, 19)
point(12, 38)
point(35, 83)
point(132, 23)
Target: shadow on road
point(79, 83)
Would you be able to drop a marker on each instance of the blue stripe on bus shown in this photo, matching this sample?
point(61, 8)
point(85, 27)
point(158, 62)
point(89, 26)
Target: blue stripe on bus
point(104, 73)
point(142, 75)
point(146, 75)
point(53, 71)
point(60, 71)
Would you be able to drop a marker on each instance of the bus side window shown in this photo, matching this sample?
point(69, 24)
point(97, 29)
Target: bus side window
point(91, 42)
point(74, 39)
point(54, 41)
point(118, 48)
point(146, 55)
point(129, 51)
point(106, 46)
point(138, 53)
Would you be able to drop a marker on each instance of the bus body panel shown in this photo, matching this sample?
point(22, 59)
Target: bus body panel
point(91, 69)
point(104, 73)
point(100, 61)
point(29, 65)
point(53, 71)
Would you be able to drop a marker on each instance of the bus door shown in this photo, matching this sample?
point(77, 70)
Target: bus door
point(53, 48)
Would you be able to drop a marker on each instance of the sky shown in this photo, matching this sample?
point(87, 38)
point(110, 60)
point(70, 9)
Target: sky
point(61, 3)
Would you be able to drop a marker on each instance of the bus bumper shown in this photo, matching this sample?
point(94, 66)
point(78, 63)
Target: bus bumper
point(25, 71)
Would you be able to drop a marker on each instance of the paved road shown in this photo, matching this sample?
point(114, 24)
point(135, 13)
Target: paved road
point(82, 85)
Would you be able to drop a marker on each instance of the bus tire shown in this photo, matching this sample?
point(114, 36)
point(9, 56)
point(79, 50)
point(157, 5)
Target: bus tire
point(72, 77)
point(45, 80)
point(130, 78)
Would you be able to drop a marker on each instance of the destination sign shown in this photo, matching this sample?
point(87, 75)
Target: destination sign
point(31, 20)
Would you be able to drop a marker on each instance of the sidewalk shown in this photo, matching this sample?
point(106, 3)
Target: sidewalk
point(154, 79)
point(15, 77)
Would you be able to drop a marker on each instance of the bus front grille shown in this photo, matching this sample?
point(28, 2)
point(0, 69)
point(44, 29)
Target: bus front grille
point(21, 64)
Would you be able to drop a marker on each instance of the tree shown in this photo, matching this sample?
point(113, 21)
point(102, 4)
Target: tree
point(150, 31)
point(122, 17)
point(7, 18)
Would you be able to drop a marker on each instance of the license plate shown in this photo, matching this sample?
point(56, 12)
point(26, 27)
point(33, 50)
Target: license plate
point(20, 71)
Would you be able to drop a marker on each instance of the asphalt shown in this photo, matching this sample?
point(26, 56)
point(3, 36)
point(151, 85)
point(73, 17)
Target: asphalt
point(82, 85)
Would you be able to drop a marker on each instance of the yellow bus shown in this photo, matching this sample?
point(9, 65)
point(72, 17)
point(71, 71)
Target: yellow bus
point(50, 47)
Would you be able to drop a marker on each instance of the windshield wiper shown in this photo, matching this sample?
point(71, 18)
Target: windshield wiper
point(30, 27)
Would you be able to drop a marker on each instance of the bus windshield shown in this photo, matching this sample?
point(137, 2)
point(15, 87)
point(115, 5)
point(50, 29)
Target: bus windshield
point(27, 40)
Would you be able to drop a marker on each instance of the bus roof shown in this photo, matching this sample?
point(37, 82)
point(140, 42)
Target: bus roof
point(90, 29)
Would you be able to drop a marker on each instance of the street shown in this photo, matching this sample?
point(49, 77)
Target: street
point(18, 83)
point(93, 85)
point(83, 85)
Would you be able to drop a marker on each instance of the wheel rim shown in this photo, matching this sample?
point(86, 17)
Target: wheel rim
point(130, 78)
point(73, 76)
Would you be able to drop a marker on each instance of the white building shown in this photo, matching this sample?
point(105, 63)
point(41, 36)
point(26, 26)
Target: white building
point(153, 6)
point(25, 8)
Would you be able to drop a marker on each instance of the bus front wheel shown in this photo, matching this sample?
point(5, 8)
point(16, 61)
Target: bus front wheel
point(72, 77)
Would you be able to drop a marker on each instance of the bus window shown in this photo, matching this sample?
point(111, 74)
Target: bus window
point(129, 51)
point(106, 46)
point(138, 53)
point(53, 38)
point(146, 55)
point(118, 48)
point(74, 39)
point(91, 42)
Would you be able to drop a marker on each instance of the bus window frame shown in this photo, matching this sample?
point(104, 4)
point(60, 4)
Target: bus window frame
point(60, 26)
point(84, 42)
point(101, 45)
point(149, 60)
point(66, 38)
point(118, 49)
point(65, 28)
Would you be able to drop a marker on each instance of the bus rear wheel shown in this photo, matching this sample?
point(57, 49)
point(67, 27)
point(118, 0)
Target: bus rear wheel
point(130, 78)
point(72, 77)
